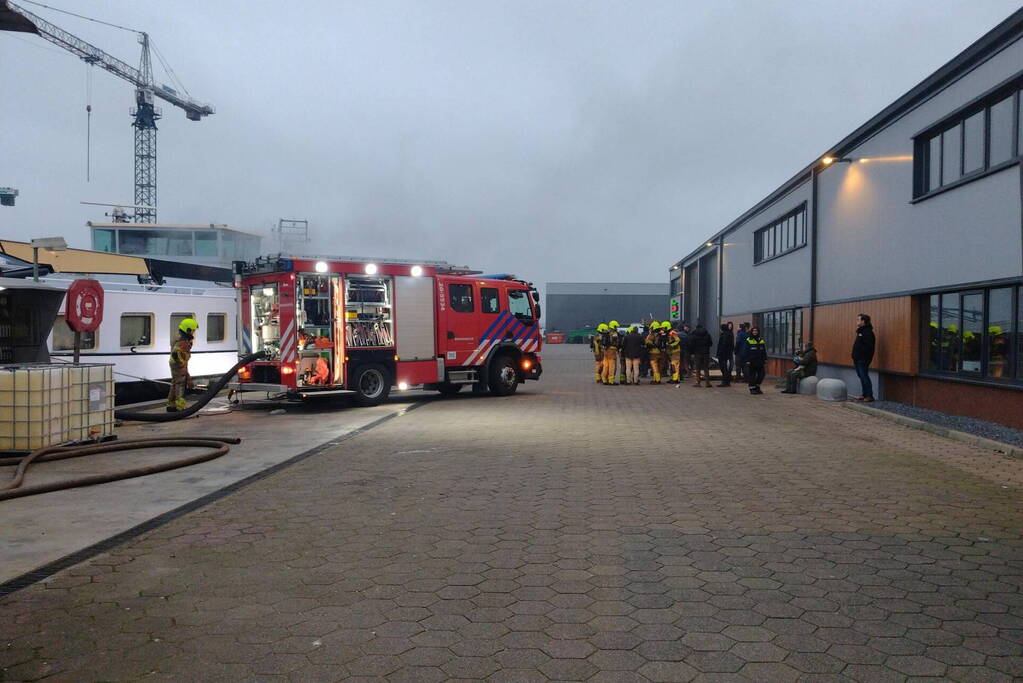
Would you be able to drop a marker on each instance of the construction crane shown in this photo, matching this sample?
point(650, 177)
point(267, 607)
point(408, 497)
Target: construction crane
point(145, 113)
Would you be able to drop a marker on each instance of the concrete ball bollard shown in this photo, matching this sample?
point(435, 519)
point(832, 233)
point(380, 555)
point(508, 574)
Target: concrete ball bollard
point(808, 385)
point(831, 390)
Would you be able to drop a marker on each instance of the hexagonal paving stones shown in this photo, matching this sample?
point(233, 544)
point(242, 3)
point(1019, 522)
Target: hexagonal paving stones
point(571, 532)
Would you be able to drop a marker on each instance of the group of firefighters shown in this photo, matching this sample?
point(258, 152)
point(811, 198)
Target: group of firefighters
point(624, 358)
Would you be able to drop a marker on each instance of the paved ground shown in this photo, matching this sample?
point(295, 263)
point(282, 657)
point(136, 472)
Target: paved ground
point(571, 532)
point(42, 529)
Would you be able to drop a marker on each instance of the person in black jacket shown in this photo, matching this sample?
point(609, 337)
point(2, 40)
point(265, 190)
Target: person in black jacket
point(726, 346)
point(699, 346)
point(756, 357)
point(632, 351)
point(863, 354)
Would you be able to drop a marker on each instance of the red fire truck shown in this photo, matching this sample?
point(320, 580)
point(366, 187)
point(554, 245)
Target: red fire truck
point(360, 327)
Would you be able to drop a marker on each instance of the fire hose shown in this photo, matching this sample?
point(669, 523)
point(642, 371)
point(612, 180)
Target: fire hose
point(216, 446)
point(211, 392)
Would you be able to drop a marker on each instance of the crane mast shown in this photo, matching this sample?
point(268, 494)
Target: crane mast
point(145, 113)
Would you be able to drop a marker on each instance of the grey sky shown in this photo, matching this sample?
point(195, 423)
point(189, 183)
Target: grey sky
point(565, 141)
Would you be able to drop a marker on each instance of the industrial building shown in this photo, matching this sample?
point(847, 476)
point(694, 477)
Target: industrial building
point(581, 305)
point(914, 218)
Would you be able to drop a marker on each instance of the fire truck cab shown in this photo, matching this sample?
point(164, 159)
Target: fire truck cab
point(359, 327)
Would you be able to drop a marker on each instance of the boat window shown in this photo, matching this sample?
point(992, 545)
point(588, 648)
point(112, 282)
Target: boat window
point(216, 327)
point(206, 243)
point(137, 329)
point(175, 320)
point(64, 337)
point(104, 240)
point(153, 242)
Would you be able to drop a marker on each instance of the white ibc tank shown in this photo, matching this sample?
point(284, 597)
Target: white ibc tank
point(808, 385)
point(90, 402)
point(829, 389)
point(33, 406)
point(44, 405)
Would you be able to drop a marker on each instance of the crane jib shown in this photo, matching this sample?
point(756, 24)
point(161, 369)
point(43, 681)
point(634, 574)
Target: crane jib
point(16, 18)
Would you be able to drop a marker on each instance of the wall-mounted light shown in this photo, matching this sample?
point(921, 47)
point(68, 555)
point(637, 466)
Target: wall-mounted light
point(321, 266)
point(371, 269)
point(709, 244)
point(828, 160)
point(417, 271)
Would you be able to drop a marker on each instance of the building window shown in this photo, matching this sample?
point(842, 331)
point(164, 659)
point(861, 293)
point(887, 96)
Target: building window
point(460, 297)
point(104, 240)
point(1001, 124)
point(175, 321)
point(974, 333)
point(999, 329)
point(216, 327)
point(136, 329)
point(782, 331)
point(781, 236)
point(973, 143)
point(986, 135)
point(64, 337)
point(1019, 335)
point(676, 285)
point(951, 155)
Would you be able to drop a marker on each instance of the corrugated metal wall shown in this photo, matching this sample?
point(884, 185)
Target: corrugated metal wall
point(565, 312)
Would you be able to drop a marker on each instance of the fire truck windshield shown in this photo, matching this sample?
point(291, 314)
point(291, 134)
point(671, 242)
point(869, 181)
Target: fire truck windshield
point(518, 304)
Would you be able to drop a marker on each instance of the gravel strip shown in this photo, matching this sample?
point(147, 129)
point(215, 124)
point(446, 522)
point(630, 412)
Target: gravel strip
point(970, 425)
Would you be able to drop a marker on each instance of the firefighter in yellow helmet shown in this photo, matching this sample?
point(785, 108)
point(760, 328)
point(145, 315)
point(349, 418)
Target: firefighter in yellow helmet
point(654, 347)
point(611, 342)
point(665, 351)
point(598, 352)
point(181, 352)
point(674, 356)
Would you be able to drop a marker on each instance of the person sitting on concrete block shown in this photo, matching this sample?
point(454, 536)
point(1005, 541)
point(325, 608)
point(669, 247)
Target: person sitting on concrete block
point(806, 366)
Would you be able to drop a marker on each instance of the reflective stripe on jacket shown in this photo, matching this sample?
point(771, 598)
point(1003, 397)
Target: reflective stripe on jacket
point(181, 352)
point(756, 351)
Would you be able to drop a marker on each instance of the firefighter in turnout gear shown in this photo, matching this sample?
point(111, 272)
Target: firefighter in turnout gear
point(180, 354)
point(662, 340)
point(598, 352)
point(622, 379)
point(654, 348)
point(611, 342)
point(675, 356)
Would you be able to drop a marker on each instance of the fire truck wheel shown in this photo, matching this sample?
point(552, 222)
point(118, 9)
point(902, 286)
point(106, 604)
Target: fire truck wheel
point(449, 389)
point(372, 385)
point(503, 378)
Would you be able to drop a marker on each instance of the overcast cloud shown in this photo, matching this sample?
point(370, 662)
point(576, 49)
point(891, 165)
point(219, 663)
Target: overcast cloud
point(563, 141)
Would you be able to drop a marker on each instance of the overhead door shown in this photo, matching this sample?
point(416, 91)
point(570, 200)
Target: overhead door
point(413, 308)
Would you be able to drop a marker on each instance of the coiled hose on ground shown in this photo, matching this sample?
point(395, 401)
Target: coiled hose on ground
point(214, 389)
point(216, 445)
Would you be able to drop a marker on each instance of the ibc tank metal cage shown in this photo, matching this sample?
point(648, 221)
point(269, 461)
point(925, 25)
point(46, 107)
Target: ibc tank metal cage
point(45, 404)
